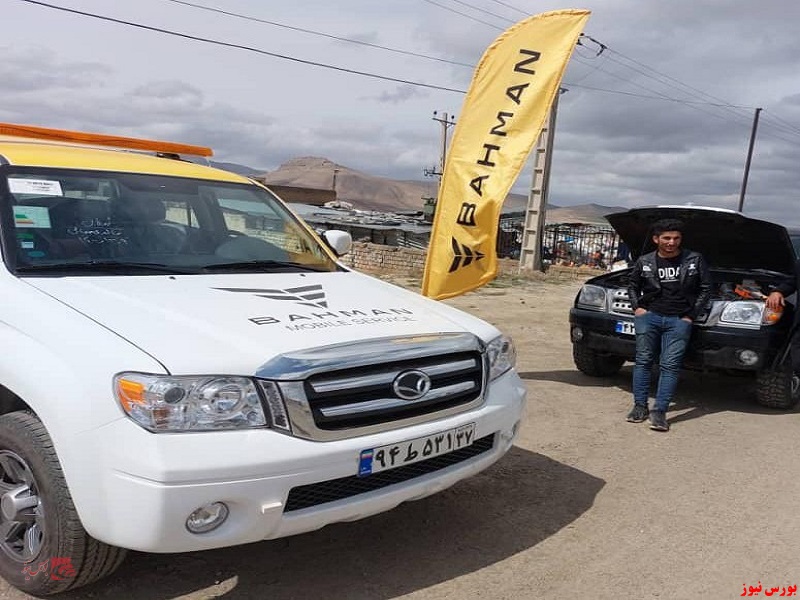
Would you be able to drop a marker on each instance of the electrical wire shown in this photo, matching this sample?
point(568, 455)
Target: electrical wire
point(241, 47)
point(483, 10)
point(452, 10)
point(317, 33)
point(511, 7)
point(662, 78)
point(659, 96)
point(601, 48)
point(784, 122)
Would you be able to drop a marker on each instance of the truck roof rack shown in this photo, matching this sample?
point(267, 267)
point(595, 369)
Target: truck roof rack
point(167, 149)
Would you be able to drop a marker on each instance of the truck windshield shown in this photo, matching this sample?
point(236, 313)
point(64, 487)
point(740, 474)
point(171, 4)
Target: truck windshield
point(69, 222)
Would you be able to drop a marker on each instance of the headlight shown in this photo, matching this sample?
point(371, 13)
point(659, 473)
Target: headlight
point(743, 313)
point(502, 356)
point(772, 316)
point(592, 296)
point(165, 403)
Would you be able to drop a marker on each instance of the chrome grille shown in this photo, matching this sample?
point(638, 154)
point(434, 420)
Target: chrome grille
point(347, 390)
point(345, 400)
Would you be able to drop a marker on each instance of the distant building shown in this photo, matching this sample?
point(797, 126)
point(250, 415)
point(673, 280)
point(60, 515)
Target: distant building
point(300, 195)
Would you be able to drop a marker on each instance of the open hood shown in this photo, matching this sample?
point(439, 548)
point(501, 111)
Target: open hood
point(727, 239)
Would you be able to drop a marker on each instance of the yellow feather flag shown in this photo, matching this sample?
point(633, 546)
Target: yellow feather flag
point(511, 92)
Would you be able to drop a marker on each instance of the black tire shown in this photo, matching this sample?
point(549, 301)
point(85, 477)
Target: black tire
point(593, 363)
point(779, 388)
point(44, 549)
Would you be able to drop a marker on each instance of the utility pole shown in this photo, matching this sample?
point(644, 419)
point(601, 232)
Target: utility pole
point(749, 158)
point(530, 256)
point(447, 122)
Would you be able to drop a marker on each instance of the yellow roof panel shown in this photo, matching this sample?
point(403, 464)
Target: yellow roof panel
point(69, 156)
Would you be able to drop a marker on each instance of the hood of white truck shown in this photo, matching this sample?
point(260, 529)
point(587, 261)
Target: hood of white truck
point(234, 323)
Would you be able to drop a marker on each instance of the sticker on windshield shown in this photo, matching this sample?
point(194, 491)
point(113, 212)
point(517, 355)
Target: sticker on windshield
point(31, 216)
point(40, 187)
point(26, 241)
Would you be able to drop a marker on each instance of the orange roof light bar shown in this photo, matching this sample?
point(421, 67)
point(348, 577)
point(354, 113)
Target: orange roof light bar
point(99, 139)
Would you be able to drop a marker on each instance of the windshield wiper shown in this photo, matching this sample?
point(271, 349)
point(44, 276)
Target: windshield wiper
point(247, 265)
point(106, 266)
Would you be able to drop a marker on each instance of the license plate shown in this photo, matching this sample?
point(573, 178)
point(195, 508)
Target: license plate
point(391, 456)
point(625, 328)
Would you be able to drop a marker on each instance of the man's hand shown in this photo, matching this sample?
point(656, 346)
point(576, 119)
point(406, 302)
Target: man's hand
point(775, 300)
point(687, 319)
point(639, 311)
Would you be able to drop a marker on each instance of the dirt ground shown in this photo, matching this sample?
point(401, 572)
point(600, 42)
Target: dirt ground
point(585, 505)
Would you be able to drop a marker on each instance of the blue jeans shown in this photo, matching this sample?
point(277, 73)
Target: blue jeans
point(659, 335)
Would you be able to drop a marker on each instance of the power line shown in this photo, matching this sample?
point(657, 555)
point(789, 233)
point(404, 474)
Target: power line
point(688, 103)
point(483, 10)
point(659, 96)
point(662, 96)
point(242, 47)
point(721, 103)
point(664, 79)
point(786, 123)
point(602, 47)
point(511, 7)
point(453, 10)
point(317, 33)
point(697, 93)
point(686, 85)
point(694, 92)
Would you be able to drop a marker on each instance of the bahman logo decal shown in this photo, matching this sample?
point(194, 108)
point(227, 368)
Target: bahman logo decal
point(313, 296)
point(307, 295)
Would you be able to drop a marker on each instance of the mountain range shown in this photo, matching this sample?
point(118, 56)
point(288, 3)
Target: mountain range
point(369, 192)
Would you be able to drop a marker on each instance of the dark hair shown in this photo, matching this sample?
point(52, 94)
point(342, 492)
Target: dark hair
point(663, 225)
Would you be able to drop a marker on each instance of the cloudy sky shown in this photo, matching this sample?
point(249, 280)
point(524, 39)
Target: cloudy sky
point(662, 115)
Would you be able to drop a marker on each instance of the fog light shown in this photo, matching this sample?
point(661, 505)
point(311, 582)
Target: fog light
point(747, 357)
point(508, 436)
point(577, 334)
point(207, 518)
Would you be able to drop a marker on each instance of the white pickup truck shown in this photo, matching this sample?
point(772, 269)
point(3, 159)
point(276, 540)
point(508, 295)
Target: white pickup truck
point(187, 366)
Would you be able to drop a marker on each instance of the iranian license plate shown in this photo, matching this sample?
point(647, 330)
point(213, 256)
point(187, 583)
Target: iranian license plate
point(625, 328)
point(382, 458)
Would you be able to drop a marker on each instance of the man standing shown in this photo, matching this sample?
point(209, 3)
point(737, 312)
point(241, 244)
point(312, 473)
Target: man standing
point(668, 288)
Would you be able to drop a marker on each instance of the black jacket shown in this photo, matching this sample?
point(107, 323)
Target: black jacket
point(787, 289)
point(790, 287)
point(644, 285)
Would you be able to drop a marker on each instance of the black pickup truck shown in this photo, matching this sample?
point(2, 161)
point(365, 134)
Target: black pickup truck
point(736, 333)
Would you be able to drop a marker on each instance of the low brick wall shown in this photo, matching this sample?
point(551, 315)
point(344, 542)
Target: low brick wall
point(565, 272)
point(376, 258)
point(394, 260)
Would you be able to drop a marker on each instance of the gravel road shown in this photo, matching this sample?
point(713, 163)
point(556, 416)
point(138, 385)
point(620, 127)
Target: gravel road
point(585, 505)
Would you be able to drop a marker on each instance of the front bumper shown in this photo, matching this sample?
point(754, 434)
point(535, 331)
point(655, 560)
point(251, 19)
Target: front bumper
point(149, 483)
point(709, 348)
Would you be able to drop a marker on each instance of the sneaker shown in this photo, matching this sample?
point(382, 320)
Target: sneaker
point(638, 414)
point(658, 421)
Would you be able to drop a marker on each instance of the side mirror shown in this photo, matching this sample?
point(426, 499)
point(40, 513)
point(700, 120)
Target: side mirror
point(339, 241)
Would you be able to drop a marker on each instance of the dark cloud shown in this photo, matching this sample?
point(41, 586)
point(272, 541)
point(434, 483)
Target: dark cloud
point(400, 94)
point(662, 115)
point(37, 69)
